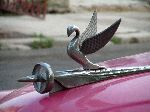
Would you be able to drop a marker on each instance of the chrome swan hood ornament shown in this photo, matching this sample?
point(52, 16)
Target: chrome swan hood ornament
point(45, 80)
point(89, 42)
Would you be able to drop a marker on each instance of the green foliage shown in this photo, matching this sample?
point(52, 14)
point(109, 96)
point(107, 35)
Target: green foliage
point(116, 40)
point(42, 42)
point(39, 35)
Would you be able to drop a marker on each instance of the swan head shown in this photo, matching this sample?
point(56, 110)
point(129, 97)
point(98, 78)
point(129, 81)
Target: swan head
point(71, 29)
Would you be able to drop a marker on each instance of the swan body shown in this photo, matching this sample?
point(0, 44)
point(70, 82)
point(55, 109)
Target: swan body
point(75, 53)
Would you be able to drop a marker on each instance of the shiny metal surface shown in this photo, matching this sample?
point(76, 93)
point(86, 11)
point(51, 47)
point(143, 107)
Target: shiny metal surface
point(89, 42)
point(45, 81)
point(91, 29)
point(77, 78)
point(42, 78)
point(43, 71)
point(31, 78)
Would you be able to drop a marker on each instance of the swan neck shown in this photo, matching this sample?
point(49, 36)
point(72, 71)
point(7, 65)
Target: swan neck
point(77, 33)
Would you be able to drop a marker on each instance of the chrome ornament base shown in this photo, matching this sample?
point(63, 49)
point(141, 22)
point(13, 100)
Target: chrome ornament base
point(45, 81)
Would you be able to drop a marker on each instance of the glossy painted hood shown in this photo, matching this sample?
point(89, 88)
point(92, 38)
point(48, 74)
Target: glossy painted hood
point(126, 94)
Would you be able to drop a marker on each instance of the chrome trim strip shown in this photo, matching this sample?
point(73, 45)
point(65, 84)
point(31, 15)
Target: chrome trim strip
point(74, 79)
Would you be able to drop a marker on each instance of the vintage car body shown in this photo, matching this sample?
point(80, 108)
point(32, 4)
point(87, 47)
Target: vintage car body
point(125, 94)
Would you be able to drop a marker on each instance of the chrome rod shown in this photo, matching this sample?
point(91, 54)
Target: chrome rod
point(31, 78)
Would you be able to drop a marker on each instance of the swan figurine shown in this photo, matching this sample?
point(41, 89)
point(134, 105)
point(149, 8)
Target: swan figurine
point(89, 42)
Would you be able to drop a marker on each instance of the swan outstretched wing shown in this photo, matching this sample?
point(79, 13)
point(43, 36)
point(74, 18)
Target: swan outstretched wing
point(96, 42)
point(90, 30)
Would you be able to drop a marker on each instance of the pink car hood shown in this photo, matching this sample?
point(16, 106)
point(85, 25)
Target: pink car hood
point(126, 94)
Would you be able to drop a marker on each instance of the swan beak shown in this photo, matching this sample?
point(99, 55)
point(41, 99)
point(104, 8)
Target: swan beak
point(68, 33)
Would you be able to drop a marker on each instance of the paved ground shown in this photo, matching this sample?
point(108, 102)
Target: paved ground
point(133, 25)
point(15, 64)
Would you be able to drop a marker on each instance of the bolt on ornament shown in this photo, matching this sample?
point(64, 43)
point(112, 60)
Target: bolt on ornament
point(44, 80)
